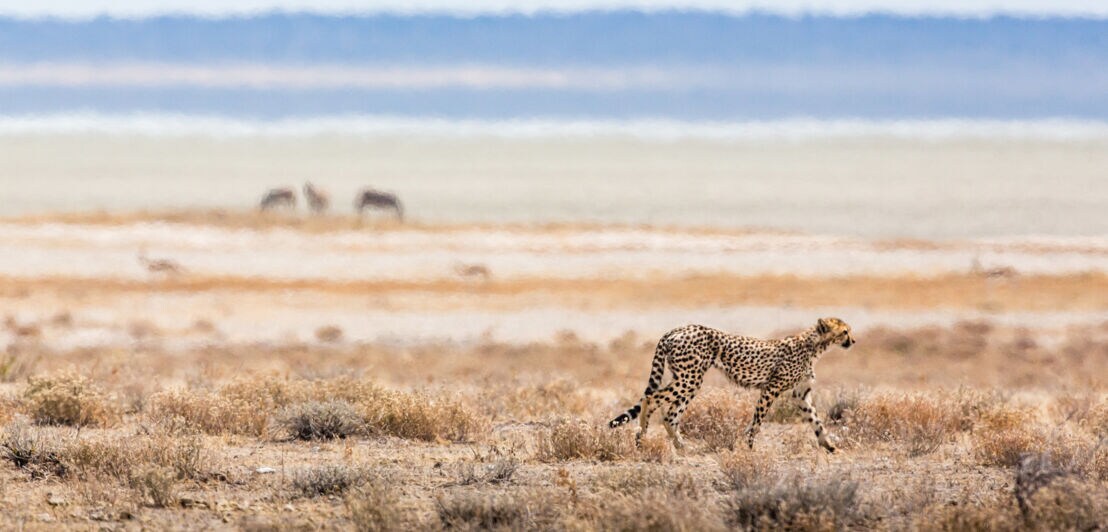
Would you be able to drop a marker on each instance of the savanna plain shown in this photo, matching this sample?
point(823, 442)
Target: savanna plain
point(234, 370)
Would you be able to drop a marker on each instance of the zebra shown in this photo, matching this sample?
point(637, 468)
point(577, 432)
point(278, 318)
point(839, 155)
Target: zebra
point(278, 197)
point(369, 198)
point(318, 200)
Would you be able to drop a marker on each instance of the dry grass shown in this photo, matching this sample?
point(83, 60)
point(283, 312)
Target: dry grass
point(376, 507)
point(317, 420)
point(337, 407)
point(32, 451)
point(796, 503)
point(718, 417)
point(580, 440)
point(1031, 292)
point(68, 399)
point(920, 423)
point(522, 510)
point(395, 453)
point(327, 480)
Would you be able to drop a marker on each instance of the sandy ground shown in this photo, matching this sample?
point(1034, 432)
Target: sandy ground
point(456, 352)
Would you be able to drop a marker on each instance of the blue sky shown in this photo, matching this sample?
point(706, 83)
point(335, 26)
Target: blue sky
point(971, 8)
point(696, 65)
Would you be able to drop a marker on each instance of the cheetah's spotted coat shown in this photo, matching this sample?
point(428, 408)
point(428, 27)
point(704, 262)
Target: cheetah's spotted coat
point(772, 366)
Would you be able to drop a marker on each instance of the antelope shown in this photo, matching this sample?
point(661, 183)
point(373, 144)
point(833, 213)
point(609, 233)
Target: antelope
point(278, 197)
point(318, 200)
point(374, 199)
point(165, 266)
point(472, 271)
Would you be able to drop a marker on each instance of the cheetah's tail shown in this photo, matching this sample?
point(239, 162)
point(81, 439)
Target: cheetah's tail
point(657, 369)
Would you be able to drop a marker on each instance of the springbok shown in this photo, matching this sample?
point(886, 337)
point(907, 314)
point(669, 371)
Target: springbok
point(318, 200)
point(165, 266)
point(278, 197)
point(472, 271)
point(375, 199)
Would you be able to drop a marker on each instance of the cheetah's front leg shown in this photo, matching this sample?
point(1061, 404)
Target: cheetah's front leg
point(803, 392)
point(764, 402)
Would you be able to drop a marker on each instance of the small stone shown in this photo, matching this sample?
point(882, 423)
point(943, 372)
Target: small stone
point(45, 518)
point(55, 500)
point(265, 470)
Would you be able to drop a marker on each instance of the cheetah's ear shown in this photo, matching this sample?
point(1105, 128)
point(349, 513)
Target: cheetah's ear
point(822, 327)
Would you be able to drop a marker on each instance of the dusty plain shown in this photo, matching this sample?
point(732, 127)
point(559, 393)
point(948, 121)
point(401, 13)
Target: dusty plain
point(203, 369)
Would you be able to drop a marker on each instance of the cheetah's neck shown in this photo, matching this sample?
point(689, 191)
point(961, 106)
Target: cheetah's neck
point(812, 342)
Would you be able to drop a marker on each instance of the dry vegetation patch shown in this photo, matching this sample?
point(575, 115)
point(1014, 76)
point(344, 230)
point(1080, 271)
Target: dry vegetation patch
point(318, 409)
point(69, 399)
point(317, 420)
point(32, 450)
point(919, 422)
point(718, 417)
point(327, 480)
point(796, 502)
point(580, 440)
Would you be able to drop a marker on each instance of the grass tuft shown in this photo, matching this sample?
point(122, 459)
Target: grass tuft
point(68, 399)
point(326, 480)
point(315, 420)
point(577, 440)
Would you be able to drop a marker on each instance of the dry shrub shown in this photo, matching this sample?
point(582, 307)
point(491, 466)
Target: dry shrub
point(919, 422)
point(965, 516)
point(327, 480)
point(1051, 495)
point(1067, 504)
point(1004, 436)
point(207, 412)
point(841, 405)
point(518, 510)
point(635, 480)
point(375, 506)
point(657, 509)
point(316, 420)
point(248, 406)
point(68, 399)
point(718, 418)
point(32, 451)
point(155, 484)
point(796, 502)
point(500, 471)
point(126, 458)
point(656, 448)
point(572, 440)
point(742, 467)
point(1097, 419)
point(422, 417)
point(535, 401)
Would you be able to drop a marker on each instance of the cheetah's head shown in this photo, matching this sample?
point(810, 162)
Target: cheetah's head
point(835, 331)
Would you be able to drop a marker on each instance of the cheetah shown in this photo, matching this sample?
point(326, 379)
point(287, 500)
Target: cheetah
point(772, 366)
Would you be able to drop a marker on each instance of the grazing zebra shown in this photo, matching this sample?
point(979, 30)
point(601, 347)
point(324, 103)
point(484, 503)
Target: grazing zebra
point(373, 199)
point(278, 197)
point(318, 200)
